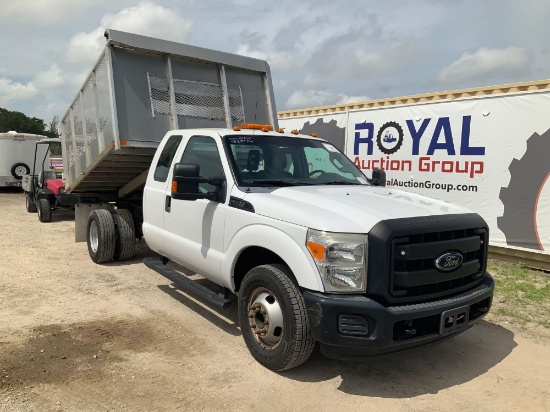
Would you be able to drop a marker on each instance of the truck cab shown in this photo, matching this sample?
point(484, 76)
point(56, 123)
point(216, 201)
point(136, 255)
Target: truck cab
point(314, 250)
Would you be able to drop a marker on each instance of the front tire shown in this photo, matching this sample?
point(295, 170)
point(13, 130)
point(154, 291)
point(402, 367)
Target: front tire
point(273, 319)
point(101, 236)
point(29, 203)
point(44, 210)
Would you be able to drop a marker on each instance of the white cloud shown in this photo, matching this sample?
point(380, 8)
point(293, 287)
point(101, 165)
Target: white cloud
point(344, 98)
point(11, 91)
point(313, 98)
point(47, 109)
point(281, 61)
point(147, 19)
point(487, 62)
point(85, 47)
point(50, 78)
point(44, 12)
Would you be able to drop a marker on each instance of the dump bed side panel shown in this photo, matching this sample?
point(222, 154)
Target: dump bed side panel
point(140, 89)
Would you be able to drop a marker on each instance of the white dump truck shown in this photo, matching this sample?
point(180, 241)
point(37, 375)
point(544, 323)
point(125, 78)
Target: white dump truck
point(313, 249)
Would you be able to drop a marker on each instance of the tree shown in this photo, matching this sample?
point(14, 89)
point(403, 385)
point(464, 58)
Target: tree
point(53, 127)
point(20, 123)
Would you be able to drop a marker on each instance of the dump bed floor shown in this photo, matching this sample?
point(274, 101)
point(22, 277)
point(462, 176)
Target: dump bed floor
point(114, 170)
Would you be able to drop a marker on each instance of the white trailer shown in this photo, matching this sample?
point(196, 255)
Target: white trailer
point(16, 156)
point(485, 149)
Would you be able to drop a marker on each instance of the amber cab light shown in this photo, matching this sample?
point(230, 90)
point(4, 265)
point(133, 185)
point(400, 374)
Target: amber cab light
point(257, 126)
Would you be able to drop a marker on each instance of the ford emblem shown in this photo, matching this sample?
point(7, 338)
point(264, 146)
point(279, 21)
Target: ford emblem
point(449, 261)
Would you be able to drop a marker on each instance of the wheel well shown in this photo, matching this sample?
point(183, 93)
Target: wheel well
point(250, 258)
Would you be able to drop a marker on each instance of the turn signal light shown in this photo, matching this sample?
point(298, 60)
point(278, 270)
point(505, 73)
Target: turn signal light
point(317, 250)
point(174, 186)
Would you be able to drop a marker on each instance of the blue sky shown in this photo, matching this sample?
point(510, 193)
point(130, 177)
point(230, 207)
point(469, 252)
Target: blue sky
point(321, 52)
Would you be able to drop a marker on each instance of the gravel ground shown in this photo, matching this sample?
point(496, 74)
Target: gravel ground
point(76, 336)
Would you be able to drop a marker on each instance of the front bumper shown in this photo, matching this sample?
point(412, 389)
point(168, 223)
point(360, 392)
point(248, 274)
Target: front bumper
point(351, 326)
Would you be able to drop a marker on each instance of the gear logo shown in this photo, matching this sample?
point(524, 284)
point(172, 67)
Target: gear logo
point(520, 199)
point(389, 138)
point(328, 131)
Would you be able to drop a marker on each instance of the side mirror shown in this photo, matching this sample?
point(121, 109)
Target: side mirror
point(378, 177)
point(185, 183)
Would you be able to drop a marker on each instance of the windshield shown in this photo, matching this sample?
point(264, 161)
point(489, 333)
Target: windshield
point(285, 161)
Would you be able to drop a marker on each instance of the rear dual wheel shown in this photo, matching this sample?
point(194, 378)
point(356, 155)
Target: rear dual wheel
point(110, 236)
point(126, 239)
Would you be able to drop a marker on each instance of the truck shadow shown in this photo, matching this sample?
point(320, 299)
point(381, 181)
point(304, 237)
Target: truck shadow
point(415, 372)
point(226, 320)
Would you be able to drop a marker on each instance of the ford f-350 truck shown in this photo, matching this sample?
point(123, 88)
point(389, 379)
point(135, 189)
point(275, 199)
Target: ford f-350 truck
point(180, 146)
point(312, 249)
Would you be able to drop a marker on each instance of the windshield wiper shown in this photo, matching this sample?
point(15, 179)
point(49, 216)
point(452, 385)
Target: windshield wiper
point(280, 183)
point(341, 183)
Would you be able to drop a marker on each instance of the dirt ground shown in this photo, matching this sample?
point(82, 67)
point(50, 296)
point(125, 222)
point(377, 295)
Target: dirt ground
point(76, 336)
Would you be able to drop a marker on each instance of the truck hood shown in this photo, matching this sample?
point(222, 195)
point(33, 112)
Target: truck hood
point(350, 209)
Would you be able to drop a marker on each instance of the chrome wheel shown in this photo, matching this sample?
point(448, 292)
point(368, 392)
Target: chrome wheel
point(94, 236)
point(265, 318)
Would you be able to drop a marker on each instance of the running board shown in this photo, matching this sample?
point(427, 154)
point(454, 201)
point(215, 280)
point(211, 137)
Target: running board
point(188, 285)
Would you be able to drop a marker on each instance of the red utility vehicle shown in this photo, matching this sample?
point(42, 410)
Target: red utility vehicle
point(46, 192)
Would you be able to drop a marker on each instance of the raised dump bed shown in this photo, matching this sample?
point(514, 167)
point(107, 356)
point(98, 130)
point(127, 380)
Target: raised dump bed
point(139, 89)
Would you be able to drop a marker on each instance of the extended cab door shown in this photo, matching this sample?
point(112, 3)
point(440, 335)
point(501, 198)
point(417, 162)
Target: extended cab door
point(194, 229)
point(154, 194)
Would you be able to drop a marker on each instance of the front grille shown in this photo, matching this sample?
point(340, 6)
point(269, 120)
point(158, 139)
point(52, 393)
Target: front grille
point(414, 275)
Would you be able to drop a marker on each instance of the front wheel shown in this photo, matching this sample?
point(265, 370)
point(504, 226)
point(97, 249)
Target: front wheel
point(44, 210)
point(29, 203)
point(273, 318)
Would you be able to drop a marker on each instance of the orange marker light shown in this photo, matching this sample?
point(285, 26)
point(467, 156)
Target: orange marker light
point(174, 186)
point(236, 128)
point(256, 126)
point(313, 134)
point(294, 131)
point(280, 130)
point(317, 250)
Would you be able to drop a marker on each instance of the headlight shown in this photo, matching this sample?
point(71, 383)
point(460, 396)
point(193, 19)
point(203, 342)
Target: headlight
point(341, 259)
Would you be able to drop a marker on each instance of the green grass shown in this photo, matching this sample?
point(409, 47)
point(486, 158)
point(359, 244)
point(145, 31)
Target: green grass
point(522, 295)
